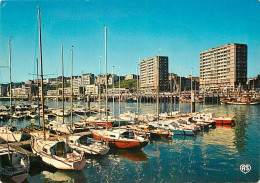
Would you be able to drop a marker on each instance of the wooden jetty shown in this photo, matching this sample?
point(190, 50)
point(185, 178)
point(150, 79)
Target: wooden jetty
point(16, 146)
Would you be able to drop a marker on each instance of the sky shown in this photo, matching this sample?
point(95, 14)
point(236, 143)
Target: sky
point(179, 29)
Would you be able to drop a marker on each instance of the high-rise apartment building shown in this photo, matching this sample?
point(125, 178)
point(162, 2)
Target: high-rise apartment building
point(149, 74)
point(224, 67)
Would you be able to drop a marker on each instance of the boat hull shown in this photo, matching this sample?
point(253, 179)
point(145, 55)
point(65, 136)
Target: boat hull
point(242, 103)
point(100, 123)
point(177, 132)
point(225, 121)
point(121, 143)
point(11, 137)
point(56, 163)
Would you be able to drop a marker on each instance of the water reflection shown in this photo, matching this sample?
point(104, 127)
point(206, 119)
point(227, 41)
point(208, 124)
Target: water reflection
point(59, 176)
point(132, 154)
point(210, 156)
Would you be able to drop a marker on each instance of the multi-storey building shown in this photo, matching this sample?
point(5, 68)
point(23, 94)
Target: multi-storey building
point(149, 73)
point(185, 82)
point(224, 67)
point(93, 89)
point(87, 79)
point(3, 89)
point(113, 78)
point(131, 76)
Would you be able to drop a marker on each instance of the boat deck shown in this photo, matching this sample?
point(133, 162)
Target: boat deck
point(16, 146)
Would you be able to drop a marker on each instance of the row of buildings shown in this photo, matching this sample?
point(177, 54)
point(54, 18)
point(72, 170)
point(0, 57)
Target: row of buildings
point(86, 84)
point(221, 69)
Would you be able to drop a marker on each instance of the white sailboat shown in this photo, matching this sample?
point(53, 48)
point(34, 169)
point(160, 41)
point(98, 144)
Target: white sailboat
point(54, 152)
point(56, 126)
point(10, 133)
point(88, 145)
point(120, 138)
point(14, 164)
point(57, 154)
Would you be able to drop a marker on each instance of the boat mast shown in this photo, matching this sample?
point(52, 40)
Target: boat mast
point(180, 92)
point(191, 92)
point(10, 69)
point(137, 85)
point(119, 96)
point(171, 92)
point(38, 93)
point(99, 85)
point(113, 91)
point(71, 101)
point(42, 99)
point(106, 74)
point(157, 98)
point(62, 84)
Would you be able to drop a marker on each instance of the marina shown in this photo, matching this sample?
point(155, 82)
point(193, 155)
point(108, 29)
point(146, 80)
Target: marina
point(87, 92)
point(206, 151)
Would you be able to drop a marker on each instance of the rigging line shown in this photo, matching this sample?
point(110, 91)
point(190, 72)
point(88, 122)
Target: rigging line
point(100, 53)
point(36, 43)
point(68, 64)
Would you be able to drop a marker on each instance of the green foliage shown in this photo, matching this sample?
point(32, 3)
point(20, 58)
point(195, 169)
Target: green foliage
point(65, 85)
point(128, 84)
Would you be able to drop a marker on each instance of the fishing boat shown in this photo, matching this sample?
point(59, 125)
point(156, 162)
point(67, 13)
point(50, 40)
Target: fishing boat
point(57, 154)
point(120, 138)
point(13, 165)
point(88, 145)
point(243, 100)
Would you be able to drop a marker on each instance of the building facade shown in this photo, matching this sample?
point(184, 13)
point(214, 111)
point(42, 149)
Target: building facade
point(185, 82)
point(88, 79)
point(3, 89)
point(224, 67)
point(149, 73)
point(130, 76)
point(93, 89)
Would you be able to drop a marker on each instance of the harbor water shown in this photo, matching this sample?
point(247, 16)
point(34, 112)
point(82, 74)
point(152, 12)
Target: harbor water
point(211, 156)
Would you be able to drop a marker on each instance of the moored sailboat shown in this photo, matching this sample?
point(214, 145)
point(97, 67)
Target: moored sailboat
point(14, 165)
point(88, 145)
point(57, 154)
point(120, 138)
point(54, 152)
point(9, 133)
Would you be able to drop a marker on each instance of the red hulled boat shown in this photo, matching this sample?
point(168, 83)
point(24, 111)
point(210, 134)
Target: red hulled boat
point(120, 138)
point(225, 120)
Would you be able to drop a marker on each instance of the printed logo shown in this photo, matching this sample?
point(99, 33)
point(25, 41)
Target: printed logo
point(245, 168)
